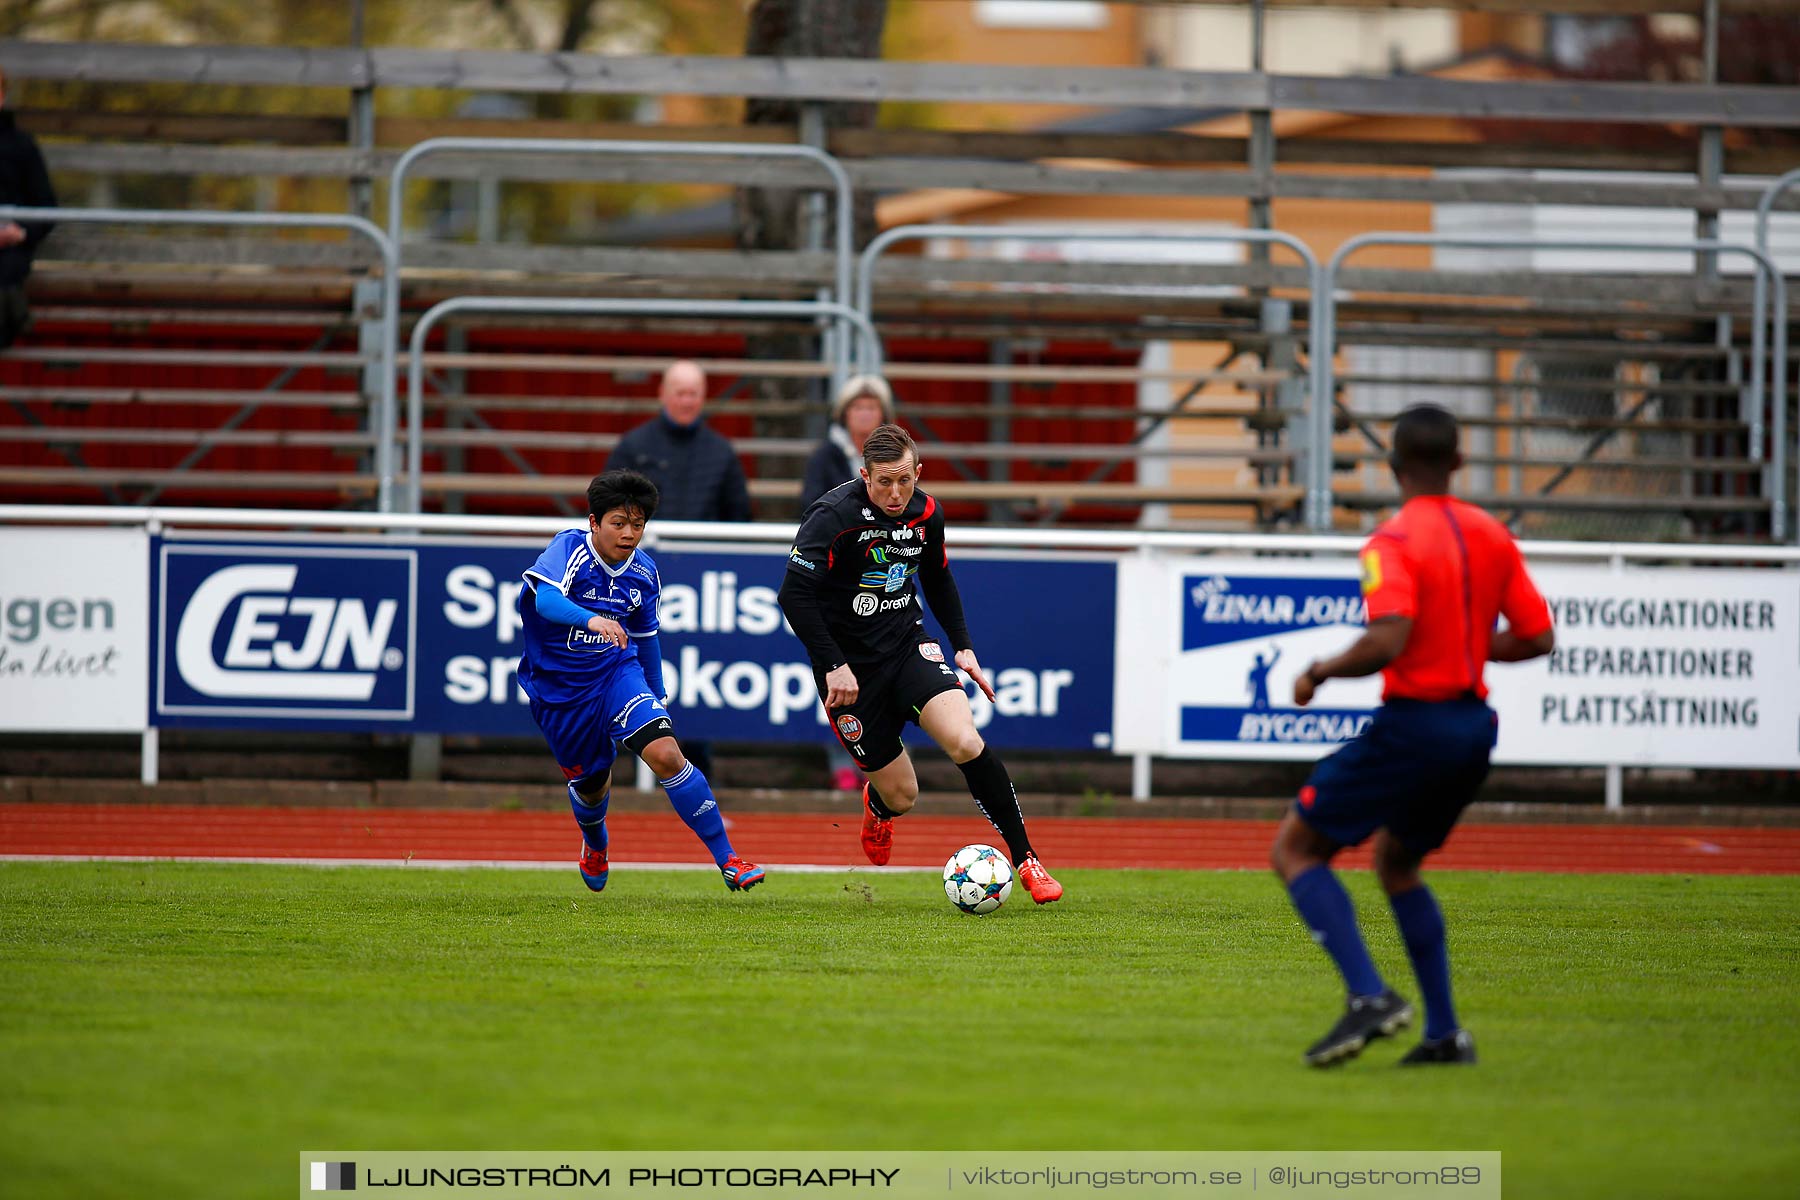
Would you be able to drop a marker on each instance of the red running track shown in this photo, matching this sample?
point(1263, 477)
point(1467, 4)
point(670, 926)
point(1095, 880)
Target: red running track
point(201, 831)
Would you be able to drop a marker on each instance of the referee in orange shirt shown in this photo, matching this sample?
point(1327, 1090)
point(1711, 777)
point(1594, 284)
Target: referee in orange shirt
point(1435, 577)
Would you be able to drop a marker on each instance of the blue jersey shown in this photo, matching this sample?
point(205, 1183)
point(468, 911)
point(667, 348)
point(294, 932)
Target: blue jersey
point(562, 664)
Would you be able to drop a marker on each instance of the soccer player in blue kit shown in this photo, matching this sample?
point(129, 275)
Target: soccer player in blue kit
point(592, 669)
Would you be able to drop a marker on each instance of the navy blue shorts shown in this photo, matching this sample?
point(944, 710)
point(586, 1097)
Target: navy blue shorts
point(1412, 771)
point(584, 734)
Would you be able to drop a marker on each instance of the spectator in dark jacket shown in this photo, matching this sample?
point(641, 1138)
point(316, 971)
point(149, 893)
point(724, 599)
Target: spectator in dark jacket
point(694, 468)
point(864, 402)
point(23, 181)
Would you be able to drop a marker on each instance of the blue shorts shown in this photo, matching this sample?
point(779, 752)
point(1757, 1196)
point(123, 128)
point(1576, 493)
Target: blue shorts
point(585, 734)
point(1412, 771)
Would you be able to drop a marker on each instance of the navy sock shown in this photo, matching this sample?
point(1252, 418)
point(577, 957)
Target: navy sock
point(591, 817)
point(877, 807)
point(1325, 906)
point(694, 804)
point(1422, 929)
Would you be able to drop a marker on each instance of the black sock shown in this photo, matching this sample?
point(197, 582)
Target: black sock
point(877, 807)
point(994, 795)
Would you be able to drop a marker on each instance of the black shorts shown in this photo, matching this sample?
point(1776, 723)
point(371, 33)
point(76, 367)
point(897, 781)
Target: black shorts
point(889, 694)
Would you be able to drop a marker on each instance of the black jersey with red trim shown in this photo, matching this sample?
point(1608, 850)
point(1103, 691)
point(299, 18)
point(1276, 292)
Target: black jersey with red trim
point(864, 570)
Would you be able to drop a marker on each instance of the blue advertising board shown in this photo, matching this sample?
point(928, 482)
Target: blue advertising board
point(422, 635)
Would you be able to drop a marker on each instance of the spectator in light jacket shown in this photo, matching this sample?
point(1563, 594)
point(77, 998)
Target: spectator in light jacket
point(864, 402)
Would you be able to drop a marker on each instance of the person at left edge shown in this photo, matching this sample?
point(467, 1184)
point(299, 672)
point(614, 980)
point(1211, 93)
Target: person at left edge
point(592, 669)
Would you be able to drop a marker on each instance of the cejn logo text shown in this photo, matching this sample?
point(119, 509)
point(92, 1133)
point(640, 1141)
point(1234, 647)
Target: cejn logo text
point(254, 630)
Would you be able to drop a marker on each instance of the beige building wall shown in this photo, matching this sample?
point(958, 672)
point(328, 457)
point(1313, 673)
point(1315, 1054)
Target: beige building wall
point(1303, 41)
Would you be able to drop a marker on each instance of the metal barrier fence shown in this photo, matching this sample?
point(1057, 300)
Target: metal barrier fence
point(840, 182)
point(856, 279)
point(1310, 452)
point(869, 344)
point(1325, 302)
point(390, 265)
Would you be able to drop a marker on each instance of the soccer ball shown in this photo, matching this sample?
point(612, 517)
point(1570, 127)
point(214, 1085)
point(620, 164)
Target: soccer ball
point(978, 879)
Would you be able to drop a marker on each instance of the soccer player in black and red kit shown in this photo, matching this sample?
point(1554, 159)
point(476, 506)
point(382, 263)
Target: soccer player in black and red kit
point(863, 552)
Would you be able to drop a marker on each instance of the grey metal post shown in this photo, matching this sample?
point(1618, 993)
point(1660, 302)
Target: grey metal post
point(1277, 321)
point(1765, 268)
point(390, 266)
point(1778, 348)
point(1318, 340)
point(1261, 146)
point(362, 123)
point(870, 353)
point(1711, 166)
point(812, 133)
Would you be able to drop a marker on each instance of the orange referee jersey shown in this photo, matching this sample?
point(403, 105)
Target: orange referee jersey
point(1452, 569)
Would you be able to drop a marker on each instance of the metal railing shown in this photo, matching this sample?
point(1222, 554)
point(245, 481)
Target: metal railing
point(1778, 351)
point(840, 182)
point(390, 268)
point(1325, 320)
point(869, 351)
point(882, 242)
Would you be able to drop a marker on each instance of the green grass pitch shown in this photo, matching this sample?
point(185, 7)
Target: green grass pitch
point(187, 1029)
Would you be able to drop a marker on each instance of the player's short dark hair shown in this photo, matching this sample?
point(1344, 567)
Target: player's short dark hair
point(1425, 439)
point(888, 444)
point(622, 489)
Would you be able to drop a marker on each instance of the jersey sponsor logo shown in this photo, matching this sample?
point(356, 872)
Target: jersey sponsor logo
point(849, 727)
point(584, 642)
point(931, 651)
point(864, 605)
point(795, 558)
point(897, 602)
point(249, 630)
point(892, 579)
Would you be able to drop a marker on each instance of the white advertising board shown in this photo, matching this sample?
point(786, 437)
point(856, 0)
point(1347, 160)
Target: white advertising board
point(1659, 667)
point(74, 630)
point(1653, 667)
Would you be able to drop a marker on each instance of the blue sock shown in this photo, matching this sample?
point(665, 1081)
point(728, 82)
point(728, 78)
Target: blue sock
point(1325, 906)
point(693, 800)
point(1422, 929)
point(591, 817)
